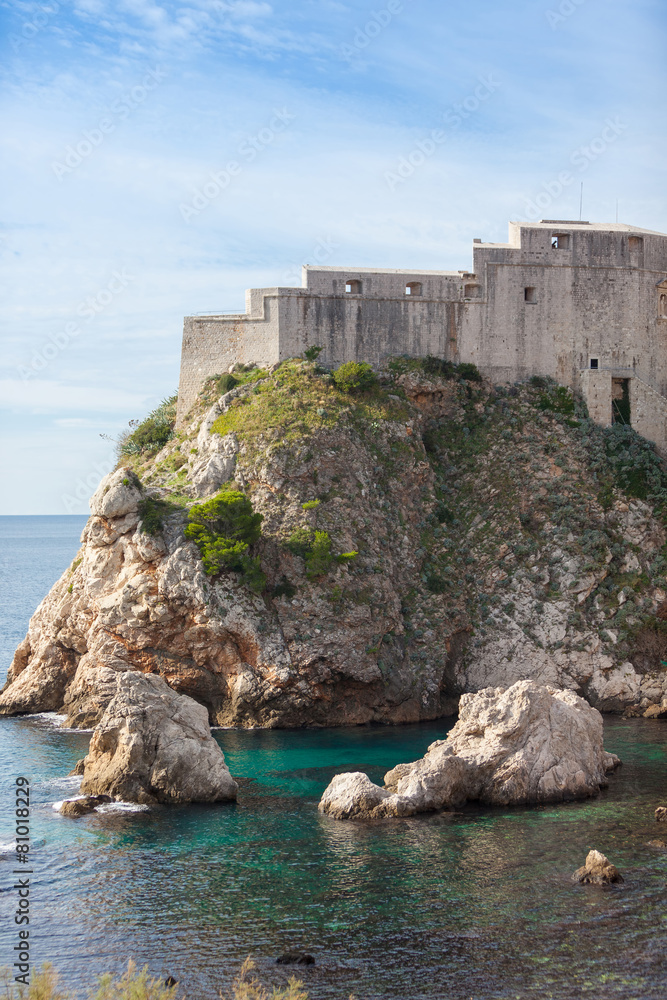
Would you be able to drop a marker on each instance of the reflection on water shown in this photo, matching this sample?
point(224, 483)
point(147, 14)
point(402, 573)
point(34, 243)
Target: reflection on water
point(476, 903)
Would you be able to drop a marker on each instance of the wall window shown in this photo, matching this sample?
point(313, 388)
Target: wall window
point(530, 294)
point(635, 244)
point(595, 364)
point(353, 287)
point(472, 291)
point(560, 241)
point(662, 305)
point(413, 288)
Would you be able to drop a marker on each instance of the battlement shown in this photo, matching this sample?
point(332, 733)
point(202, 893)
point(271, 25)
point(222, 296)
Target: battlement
point(558, 296)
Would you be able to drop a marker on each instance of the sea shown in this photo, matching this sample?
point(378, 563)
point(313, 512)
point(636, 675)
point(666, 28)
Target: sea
point(477, 904)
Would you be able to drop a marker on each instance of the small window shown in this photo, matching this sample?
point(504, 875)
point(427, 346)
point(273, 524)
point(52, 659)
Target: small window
point(560, 241)
point(594, 364)
point(472, 291)
point(635, 244)
point(530, 294)
point(662, 306)
point(413, 288)
point(353, 287)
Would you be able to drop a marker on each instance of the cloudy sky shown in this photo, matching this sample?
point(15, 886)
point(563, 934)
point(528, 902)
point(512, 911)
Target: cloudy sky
point(317, 118)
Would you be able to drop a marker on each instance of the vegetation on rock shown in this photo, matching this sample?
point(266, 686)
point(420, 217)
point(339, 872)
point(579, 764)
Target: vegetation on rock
point(354, 376)
point(223, 529)
point(148, 436)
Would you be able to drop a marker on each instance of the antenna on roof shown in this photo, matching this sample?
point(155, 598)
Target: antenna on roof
point(581, 201)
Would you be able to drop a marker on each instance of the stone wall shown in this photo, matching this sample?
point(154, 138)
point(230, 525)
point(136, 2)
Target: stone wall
point(528, 307)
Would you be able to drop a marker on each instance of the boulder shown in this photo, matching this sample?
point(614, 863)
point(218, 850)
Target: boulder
point(525, 744)
point(118, 494)
point(597, 870)
point(154, 745)
point(661, 814)
point(82, 806)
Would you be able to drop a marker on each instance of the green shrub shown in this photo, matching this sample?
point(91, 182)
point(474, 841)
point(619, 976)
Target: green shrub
point(300, 541)
point(346, 557)
point(436, 584)
point(469, 372)
point(152, 511)
point(355, 376)
point(284, 589)
point(151, 434)
point(320, 559)
point(312, 353)
point(438, 366)
point(310, 504)
point(224, 528)
point(226, 383)
point(558, 399)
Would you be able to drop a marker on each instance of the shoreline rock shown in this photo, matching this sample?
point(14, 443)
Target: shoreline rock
point(526, 744)
point(74, 808)
point(154, 745)
point(597, 870)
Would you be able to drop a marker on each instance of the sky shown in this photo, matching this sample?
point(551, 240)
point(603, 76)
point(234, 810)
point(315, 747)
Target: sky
point(159, 158)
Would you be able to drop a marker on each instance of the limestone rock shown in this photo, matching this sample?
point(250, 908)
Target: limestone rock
point(117, 494)
point(153, 745)
point(597, 870)
point(369, 640)
point(509, 747)
point(74, 808)
point(661, 814)
point(354, 796)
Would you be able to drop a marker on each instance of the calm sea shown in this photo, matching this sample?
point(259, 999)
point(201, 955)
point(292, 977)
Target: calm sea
point(478, 904)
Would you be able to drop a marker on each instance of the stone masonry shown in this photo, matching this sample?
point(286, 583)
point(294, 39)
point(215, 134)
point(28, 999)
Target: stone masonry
point(583, 303)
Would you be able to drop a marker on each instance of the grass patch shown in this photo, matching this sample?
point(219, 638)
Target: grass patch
point(298, 400)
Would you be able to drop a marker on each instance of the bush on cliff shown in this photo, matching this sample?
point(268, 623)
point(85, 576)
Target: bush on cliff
point(151, 434)
point(224, 528)
point(355, 376)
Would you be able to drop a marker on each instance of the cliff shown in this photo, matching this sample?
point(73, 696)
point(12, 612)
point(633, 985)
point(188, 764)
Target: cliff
point(421, 537)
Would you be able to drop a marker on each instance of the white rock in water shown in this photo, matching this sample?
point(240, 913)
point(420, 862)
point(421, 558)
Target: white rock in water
point(154, 745)
point(525, 744)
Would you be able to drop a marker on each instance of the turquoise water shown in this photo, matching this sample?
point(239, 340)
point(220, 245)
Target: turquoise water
point(475, 904)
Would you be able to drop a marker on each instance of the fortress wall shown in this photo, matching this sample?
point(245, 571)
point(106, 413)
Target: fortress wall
point(212, 343)
point(648, 413)
point(362, 328)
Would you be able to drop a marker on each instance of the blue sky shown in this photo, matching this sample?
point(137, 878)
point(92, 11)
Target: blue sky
point(116, 114)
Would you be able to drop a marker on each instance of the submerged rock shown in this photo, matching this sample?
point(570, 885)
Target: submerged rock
point(509, 747)
point(597, 870)
point(154, 745)
point(74, 808)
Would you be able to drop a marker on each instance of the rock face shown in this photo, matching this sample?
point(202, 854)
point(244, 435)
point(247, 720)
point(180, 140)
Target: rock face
point(485, 556)
point(509, 747)
point(153, 745)
point(74, 808)
point(597, 870)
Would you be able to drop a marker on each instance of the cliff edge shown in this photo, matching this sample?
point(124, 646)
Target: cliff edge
point(311, 551)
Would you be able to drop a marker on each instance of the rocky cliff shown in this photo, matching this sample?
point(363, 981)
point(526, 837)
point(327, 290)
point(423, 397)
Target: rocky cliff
point(421, 537)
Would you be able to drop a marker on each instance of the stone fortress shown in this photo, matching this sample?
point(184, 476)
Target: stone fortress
point(583, 303)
